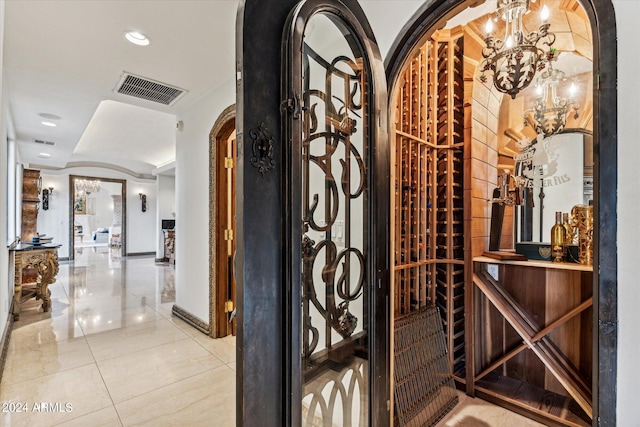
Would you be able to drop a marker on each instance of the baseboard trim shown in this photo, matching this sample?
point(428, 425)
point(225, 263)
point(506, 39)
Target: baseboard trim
point(4, 344)
point(141, 254)
point(192, 320)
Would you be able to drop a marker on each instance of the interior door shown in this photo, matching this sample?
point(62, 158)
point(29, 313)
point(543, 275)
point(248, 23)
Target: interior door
point(230, 161)
point(226, 229)
point(337, 193)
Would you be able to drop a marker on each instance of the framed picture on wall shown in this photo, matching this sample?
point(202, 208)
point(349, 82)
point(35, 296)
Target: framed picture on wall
point(80, 205)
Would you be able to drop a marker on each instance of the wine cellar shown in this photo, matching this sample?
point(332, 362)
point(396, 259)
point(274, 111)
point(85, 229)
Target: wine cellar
point(429, 195)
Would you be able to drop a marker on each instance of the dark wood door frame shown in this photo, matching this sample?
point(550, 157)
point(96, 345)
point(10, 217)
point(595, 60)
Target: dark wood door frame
point(264, 338)
point(72, 180)
point(219, 268)
point(605, 59)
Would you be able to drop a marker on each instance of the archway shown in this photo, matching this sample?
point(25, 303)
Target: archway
point(602, 23)
point(222, 224)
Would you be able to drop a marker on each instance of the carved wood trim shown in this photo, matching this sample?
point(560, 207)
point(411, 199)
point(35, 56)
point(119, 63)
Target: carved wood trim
point(192, 320)
point(222, 128)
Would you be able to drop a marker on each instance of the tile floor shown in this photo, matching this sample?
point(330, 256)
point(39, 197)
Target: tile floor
point(111, 354)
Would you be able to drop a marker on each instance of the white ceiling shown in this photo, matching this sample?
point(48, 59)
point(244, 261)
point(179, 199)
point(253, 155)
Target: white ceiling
point(66, 57)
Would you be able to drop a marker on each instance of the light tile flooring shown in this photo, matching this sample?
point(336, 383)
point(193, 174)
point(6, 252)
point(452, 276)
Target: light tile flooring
point(111, 354)
point(478, 413)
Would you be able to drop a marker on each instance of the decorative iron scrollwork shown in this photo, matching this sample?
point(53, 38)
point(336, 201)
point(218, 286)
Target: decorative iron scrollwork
point(334, 184)
point(262, 158)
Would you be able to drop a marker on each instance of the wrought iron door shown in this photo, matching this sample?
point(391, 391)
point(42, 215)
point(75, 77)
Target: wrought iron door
point(338, 192)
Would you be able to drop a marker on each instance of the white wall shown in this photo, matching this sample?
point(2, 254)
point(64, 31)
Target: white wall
point(141, 226)
point(166, 190)
point(6, 284)
point(387, 19)
point(627, 12)
point(12, 200)
point(192, 200)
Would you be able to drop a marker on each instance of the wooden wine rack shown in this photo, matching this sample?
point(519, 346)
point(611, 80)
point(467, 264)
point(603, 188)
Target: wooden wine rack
point(429, 223)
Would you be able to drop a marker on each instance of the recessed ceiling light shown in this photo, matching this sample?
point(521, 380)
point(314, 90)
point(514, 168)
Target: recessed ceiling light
point(136, 37)
point(44, 155)
point(50, 124)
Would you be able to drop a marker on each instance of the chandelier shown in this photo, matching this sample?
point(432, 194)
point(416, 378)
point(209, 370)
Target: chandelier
point(549, 115)
point(85, 186)
point(515, 59)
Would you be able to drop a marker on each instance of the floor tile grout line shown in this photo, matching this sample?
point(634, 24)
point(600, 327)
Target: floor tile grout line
point(209, 351)
point(66, 285)
point(18, 383)
point(145, 324)
point(87, 414)
point(141, 350)
point(165, 385)
point(104, 382)
point(95, 361)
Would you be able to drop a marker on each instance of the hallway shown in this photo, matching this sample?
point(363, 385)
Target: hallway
point(110, 353)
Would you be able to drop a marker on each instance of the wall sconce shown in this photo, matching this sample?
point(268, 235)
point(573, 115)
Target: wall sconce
point(46, 194)
point(143, 197)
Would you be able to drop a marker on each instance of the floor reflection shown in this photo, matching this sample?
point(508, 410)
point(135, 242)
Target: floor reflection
point(111, 349)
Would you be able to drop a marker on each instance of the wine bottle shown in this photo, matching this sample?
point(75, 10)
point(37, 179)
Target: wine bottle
point(567, 229)
point(558, 236)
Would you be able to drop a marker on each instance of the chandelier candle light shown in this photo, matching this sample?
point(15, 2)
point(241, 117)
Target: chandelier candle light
point(549, 115)
point(85, 186)
point(515, 59)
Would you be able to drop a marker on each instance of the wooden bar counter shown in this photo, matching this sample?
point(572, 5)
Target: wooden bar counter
point(531, 346)
point(36, 267)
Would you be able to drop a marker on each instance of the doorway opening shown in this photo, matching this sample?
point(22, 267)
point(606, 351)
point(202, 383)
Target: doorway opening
point(97, 215)
point(438, 103)
point(222, 228)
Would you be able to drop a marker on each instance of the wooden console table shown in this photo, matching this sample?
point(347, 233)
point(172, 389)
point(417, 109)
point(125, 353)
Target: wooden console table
point(42, 261)
point(531, 346)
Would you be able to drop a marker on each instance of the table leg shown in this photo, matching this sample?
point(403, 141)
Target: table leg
point(48, 273)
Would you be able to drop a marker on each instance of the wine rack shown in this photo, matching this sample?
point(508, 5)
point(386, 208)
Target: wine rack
point(429, 206)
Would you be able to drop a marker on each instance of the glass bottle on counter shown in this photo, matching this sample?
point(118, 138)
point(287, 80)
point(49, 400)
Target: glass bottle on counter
point(558, 237)
point(567, 229)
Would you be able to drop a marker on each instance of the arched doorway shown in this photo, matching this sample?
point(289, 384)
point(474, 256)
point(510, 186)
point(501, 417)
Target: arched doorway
point(430, 17)
point(222, 159)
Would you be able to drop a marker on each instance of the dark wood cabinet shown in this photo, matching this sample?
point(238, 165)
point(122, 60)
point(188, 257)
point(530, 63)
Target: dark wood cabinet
point(531, 346)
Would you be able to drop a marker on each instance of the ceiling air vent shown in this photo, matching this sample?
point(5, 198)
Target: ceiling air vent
point(142, 87)
point(39, 141)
